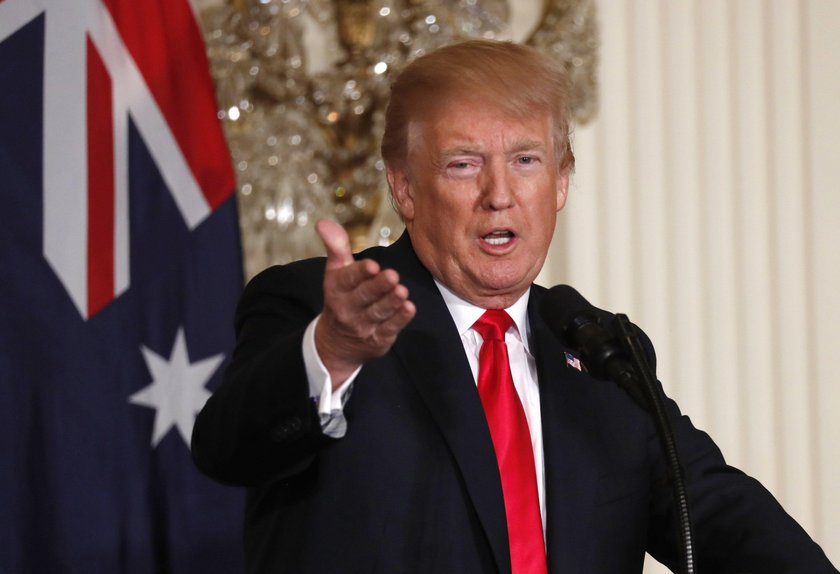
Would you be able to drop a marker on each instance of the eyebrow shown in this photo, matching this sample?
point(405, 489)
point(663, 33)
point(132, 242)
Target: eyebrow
point(527, 145)
point(518, 146)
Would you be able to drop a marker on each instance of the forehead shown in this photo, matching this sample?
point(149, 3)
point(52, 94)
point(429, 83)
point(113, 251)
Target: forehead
point(480, 125)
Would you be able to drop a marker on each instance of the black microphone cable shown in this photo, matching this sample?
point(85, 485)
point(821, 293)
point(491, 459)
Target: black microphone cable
point(656, 403)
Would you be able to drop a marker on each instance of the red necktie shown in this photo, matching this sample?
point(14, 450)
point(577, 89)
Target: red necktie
point(512, 441)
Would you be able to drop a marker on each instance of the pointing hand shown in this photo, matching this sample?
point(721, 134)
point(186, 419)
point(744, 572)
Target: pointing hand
point(365, 307)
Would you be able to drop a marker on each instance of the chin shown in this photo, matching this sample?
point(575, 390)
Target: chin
point(503, 278)
point(504, 287)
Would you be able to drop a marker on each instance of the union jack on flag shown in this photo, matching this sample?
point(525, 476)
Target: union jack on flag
point(120, 260)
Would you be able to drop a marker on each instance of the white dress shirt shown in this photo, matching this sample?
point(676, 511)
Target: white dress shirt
point(522, 366)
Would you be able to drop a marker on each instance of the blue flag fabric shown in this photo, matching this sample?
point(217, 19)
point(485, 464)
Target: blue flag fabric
point(96, 404)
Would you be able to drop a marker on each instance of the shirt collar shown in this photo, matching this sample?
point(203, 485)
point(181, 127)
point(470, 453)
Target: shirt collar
point(465, 314)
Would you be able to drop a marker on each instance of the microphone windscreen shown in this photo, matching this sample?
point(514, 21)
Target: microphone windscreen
point(561, 306)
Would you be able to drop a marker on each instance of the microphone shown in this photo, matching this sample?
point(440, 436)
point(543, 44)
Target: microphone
point(575, 322)
point(615, 353)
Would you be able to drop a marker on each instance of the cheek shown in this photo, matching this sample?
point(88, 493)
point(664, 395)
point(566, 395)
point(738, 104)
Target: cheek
point(540, 226)
point(444, 213)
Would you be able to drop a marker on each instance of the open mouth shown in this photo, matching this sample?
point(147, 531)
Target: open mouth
point(498, 238)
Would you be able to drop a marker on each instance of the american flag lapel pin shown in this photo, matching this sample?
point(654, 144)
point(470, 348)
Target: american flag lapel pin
point(574, 362)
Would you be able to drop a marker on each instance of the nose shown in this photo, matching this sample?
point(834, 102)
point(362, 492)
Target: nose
point(496, 192)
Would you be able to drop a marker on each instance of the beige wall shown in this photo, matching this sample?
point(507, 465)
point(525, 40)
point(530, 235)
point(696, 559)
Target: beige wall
point(706, 206)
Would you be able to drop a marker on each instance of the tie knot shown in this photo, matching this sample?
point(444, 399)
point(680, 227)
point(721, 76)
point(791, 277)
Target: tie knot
point(493, 324)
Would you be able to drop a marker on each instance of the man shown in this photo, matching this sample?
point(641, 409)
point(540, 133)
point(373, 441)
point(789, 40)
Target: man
point(383, 422)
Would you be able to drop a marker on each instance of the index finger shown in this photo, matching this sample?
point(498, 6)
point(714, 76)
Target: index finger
point(351, 276)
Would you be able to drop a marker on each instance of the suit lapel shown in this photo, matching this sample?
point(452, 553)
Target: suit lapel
point(432, 353)
point(570, 460)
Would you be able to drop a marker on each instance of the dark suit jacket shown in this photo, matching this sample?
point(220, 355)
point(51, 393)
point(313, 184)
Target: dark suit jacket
point(414, 487)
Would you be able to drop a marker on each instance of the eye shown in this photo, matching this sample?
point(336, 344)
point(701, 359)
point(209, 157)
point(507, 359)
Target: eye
point(466, 167)
point(526, 160)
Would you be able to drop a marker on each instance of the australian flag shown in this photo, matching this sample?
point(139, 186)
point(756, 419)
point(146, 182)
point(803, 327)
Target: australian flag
point(119, 270)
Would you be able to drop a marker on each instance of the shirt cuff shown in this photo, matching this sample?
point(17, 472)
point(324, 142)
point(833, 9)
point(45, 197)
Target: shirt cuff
point(330, 403)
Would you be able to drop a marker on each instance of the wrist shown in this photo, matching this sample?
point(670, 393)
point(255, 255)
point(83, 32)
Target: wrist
point(338, 366)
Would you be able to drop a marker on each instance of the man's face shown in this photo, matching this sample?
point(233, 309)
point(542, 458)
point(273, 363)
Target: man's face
point(479, 194)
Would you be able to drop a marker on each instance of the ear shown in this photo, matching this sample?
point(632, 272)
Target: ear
point(563, 187)
point(401, 191)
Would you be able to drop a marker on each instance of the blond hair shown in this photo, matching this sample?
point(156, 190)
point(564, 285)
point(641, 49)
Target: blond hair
point(518, 79)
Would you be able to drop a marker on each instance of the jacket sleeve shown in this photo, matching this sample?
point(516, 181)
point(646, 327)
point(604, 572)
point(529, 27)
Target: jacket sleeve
point(261, 424)
point(739, 527)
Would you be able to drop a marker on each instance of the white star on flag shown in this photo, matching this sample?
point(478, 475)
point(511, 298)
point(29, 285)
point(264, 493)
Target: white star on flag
point(177, 390)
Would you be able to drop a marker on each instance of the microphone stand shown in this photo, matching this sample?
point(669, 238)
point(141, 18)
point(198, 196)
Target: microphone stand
point(656, 401)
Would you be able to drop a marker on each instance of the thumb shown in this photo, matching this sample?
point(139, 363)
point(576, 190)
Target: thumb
point(336, 241)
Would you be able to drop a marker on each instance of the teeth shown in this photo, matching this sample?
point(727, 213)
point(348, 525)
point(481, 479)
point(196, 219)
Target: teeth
point(498, 237)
